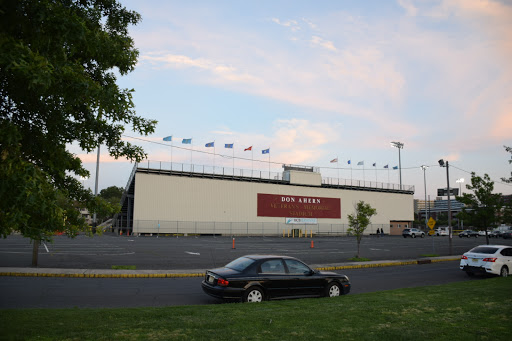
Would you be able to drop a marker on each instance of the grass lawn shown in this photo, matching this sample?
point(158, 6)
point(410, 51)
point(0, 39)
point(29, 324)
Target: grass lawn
point(470, 310)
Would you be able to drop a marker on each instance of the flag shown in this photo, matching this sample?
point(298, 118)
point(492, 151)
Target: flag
point(375, 164)
point(246, 149)
point(187, 141)
point(168, 138)
point(228, 145)
point(334, 160)
point(396, 167)
point(348, 162)
point(265, 151)
point(386, 166)
point(360, 163)
point(211, 144)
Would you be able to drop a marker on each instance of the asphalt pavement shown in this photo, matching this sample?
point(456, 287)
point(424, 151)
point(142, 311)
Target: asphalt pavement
point(171, 256)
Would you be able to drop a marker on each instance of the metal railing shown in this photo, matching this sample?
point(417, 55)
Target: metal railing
point(262, 175)
point(145, 227)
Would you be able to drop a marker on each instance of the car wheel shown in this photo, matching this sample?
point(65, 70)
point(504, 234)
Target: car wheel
point(413, 235)
point(460, 236)
point(404, 236)
point(333, 290)
point(469, 236)
point(253, 294)
point(504, 271)
point(423, 235)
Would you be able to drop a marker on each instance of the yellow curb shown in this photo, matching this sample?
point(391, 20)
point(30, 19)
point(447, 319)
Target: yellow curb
point(171, 275)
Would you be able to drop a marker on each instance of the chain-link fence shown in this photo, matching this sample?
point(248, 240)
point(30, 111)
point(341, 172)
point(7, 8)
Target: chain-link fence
point(144, 227)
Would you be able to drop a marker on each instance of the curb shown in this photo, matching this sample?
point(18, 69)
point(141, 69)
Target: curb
point(183, 275)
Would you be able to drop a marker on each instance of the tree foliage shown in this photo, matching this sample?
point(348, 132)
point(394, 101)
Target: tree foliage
point(481, 207)
point(509, 150)
point(359, 220)
point(58, 65)
point(112, 195)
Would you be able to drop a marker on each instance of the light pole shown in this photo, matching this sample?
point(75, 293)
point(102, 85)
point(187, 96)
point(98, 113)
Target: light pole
point(442, 164)
point(399, 145)
point(460, 181)
point(425, 182)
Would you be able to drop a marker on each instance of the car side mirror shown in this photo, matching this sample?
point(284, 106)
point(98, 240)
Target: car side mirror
point(310, 272)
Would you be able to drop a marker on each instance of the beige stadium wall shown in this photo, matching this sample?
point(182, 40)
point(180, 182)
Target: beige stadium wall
point(166, 204)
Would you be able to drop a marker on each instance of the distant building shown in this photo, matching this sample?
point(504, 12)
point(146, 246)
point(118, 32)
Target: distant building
point(190, 199)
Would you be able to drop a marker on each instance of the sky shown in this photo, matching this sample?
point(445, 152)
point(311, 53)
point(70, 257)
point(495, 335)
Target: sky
point(315, 81)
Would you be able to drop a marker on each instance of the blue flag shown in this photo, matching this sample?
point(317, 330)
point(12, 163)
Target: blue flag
point(265, 151)
point(187, 141)
point(375, 164)
point(396, 167)
point(228, 145)
point(360, 163)
point(386, 166)
point(168, 138)
point(348, 162)
point(211, 144)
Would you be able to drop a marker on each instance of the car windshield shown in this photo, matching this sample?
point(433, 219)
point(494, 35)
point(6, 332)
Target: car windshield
point(240, 264)
point(484, 249)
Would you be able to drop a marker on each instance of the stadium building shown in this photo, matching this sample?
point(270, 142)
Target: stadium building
point(170, 198)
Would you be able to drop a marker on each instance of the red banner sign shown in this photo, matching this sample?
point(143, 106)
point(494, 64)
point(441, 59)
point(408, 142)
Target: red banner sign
point(272, 205)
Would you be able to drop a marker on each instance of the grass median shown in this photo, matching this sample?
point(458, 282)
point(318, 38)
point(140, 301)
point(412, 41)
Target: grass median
point(470, 310)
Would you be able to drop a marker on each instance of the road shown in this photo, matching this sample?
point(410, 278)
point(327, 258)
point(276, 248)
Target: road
point(151, 253)
point(41, 292)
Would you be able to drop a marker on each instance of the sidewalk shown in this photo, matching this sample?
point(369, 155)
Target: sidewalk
point(109, 273)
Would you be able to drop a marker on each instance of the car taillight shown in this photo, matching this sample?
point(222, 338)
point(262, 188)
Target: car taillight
point(464, 257)
point(222, 282)
point(490, 259)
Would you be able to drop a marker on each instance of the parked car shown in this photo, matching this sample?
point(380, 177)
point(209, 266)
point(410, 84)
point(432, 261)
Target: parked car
point(490, 259)
point(482, 233)
point(413, 233)
point(495, 234)
point(468, 233)
point(506, 234)
point(256, 278)
point(442, 231)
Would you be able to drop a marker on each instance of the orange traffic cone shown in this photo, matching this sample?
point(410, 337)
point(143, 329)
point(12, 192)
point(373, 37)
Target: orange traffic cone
point(312, 244)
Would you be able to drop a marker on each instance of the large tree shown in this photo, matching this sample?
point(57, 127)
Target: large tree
point(509, 150)
point(359, 221)
point(58, 65)
point(482, 206)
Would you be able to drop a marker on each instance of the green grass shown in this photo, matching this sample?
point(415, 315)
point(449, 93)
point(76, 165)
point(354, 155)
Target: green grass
point(124, 267)
point(470, 310)
point(359, 259)
point(429, 255)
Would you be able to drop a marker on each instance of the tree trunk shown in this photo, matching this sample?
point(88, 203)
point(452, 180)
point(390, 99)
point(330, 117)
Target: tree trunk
point(35, 253)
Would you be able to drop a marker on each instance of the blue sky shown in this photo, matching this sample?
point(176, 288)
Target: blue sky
point(319, 80)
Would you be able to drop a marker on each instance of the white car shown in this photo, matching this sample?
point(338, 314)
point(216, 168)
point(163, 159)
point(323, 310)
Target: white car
point(482, 233)
point(442, 231)
point(490, 259)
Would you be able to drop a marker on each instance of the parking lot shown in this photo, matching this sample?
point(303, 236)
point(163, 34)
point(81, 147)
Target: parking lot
point(102, 252)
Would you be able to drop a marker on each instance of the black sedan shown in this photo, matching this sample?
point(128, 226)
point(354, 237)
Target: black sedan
point(468, 233)
point(256, 278)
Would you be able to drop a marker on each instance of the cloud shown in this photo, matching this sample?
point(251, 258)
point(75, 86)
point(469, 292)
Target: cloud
point(323, 43)
point(293, 25)
point(410, 9)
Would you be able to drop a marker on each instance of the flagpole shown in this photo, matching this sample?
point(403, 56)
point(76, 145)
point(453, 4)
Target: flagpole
point(338, 166)
point(213, 156)
point(269, 162)
point(350, 171)
point(376, 174)
point(364, 177)
point(233, 147)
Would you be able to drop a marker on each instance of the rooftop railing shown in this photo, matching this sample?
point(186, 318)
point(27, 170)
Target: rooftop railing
point(261, 175)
